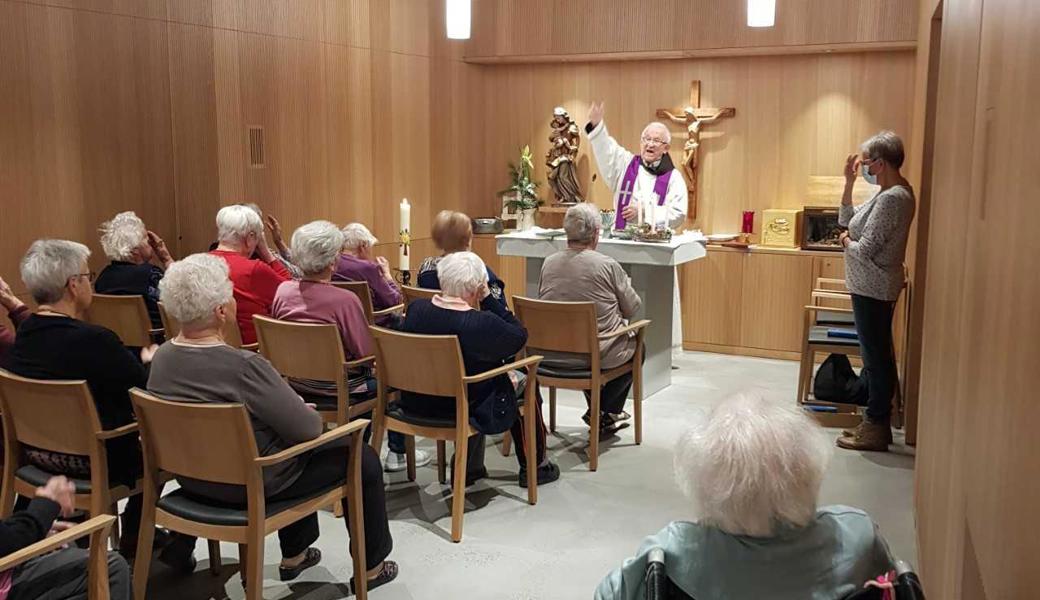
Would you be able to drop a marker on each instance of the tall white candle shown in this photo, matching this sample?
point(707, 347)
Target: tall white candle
point(404, 259)
point(653, 212)
point(639, 212)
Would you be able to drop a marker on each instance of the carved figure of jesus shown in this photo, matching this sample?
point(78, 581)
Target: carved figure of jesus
point(693, 125)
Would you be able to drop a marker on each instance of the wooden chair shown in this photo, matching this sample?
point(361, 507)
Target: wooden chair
point(222, 448)
point(432, 364)
point(362, 291)
point(313, 351)
point(127, 316)
point(59, 416)
point(571, 327)
point(825, 312)
point(232, 333)
point(411, 294)
point(97, 529)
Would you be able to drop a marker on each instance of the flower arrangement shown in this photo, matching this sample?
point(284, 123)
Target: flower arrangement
point(524, 189)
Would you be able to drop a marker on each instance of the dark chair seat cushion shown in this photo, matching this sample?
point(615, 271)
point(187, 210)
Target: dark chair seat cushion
point(831, 317)
point(324, 402)
point(201, 510)
point(818, 335)
point(397, 411)
point(38, 477)
point(550, 371)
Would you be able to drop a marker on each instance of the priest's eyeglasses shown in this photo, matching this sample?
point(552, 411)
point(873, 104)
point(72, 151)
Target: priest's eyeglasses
point(652, 142)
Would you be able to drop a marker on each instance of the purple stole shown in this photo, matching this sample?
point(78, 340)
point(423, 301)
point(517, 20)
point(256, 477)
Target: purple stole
point(660, 188)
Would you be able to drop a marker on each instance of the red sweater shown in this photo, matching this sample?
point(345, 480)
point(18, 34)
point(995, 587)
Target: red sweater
point(7, 335)
point(255, 285)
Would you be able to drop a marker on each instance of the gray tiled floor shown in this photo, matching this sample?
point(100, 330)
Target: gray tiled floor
point(583, 525)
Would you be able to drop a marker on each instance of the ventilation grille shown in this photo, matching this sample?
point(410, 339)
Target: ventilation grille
point(256, 147)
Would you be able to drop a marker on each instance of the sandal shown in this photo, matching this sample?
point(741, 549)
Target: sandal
point(311, 557)
point(387, 574)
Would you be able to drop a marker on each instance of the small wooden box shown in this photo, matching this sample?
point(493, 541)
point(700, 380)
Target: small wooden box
point(782, 227)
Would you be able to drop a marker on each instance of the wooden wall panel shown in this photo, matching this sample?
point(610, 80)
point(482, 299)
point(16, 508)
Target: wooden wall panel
point(534, 28)
point(797, 117)
point(977, 473)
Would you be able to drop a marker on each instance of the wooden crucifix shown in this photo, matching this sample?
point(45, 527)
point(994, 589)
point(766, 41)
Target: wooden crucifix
point(693, 117)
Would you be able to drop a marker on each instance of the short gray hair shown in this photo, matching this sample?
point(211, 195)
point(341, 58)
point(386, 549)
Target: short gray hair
point(658, 125)
point(236, 222)
point(581, 222)
point(194, 287)
point(887, 146)
point(122, 235)
point(754, 465)
point(356, 235)
point(461, 273)
point(316, 246)
point(48, 266)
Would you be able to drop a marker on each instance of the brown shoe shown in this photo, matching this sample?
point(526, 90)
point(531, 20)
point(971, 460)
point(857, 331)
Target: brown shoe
point(868, 436)
point(852, 432)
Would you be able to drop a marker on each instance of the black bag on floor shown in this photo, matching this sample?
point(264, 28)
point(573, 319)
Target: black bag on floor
point(835, 381)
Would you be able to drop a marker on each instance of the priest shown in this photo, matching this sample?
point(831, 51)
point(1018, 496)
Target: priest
point(638, 179)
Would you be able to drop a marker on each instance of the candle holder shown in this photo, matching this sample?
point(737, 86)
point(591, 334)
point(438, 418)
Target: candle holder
point(747, 226)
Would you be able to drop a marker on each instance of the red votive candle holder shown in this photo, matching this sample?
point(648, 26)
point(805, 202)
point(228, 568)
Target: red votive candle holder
point(748, 222)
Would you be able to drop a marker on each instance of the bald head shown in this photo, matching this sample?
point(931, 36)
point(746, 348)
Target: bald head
point(654, 142)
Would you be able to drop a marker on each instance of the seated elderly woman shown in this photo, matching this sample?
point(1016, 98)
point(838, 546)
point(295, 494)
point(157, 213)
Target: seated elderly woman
point(197, 366)
point(753, 470)
point(131, 248)
point(358, 264)
point(489, 337)
point(452, 231)
point(240, 233)
point(17, 312)
point(316, 249)
point(580, 274)
point(56, 343)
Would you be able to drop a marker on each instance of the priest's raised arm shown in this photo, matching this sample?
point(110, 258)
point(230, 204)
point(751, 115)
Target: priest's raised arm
point(635, 178)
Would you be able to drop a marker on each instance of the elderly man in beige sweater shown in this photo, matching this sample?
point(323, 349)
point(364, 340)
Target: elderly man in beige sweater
point(580, 274)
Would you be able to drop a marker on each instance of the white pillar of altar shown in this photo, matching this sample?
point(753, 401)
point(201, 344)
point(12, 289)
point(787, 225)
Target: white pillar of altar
point(652, 269)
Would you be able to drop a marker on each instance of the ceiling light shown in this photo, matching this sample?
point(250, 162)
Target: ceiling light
point(458, 18)
point(761, 13)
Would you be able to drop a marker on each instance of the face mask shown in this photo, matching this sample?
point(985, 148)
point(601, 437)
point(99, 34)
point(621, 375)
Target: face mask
point(870, 178)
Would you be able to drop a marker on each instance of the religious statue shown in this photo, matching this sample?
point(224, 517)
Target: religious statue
point(563, 152)
point(693, 117)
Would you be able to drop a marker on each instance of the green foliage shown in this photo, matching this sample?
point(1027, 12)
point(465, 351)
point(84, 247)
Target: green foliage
point(524, 190)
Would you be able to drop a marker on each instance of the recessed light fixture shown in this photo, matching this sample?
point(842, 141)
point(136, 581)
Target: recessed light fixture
point(458, 14)
point(761, 13)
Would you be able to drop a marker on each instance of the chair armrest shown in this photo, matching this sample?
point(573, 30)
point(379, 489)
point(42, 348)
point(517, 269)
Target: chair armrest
point(355, 426)
point(830, 280)
point(530, 361)
point(108, 434)
point(828, 295)
point(364, 360)
point(388, 311)
point(156, 331)
point(811, 307)
point(254, 347)
point(623, 330)
point(56, 541)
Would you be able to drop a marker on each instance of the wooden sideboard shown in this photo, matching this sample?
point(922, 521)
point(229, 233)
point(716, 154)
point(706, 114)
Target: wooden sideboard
point(747, 302)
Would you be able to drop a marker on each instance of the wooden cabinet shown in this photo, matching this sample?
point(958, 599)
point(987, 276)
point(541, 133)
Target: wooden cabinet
point(750, 302)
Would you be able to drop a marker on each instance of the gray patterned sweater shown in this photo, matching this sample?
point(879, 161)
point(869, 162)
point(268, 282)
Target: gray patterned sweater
point(878, 230)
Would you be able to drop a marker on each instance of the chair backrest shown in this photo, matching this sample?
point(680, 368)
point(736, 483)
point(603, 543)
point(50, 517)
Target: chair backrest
point(301, 350)
point(59, 416)
point(211, 442)
point(559, 326)
point(411, 294)
point(424, 364)
point(362, 291)
point(127, 316)
point(232, 334)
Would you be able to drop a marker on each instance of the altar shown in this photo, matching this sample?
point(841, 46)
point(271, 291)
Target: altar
point(652, 269)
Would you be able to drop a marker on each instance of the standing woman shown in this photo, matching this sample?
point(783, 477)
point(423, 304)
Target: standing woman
point(875, 245)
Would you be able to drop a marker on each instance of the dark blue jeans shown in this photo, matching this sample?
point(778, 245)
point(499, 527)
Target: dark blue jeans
point(874, 327)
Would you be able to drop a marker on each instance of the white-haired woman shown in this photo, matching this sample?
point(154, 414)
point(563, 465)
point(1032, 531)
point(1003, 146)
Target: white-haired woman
point(240, 233)
point(753, 472)
point(875, 246)
point(316, 247)
point(198, 366)
point(131, 247)
point(357, 263)
point(56, 343)
point(488, 336)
